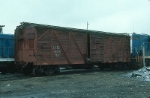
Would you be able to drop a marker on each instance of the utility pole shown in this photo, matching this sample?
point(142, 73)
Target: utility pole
point(1, 30)
point(143, 48)
point(87, 25)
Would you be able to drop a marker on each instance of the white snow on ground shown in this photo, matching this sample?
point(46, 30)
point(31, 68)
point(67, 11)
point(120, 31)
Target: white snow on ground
point(142, 74)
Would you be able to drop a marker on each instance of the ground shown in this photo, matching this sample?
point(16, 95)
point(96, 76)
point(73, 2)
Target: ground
point(76, 84)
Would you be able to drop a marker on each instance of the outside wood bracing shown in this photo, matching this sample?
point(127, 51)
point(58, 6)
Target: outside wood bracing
point(78, 47)
point(109, 48)
point(59, 47)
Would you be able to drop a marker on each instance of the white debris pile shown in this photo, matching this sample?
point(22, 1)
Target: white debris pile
point(142, 74)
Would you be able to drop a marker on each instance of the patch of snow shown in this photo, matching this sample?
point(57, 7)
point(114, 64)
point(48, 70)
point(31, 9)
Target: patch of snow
point(141, 74)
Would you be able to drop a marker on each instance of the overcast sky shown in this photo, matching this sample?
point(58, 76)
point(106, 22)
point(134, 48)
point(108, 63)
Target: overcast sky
point(120, 16)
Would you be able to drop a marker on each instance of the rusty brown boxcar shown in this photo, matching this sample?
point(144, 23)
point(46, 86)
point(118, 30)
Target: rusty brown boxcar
point(38, 46)
point(110, 49)
point(43, 48)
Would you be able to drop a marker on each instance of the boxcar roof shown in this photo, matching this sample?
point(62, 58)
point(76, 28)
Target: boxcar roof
point(28, 24)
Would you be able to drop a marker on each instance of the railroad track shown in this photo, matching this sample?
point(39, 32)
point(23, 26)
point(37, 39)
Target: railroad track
point(16, 76)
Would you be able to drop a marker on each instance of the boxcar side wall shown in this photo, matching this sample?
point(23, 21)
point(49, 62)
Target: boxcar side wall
point(110, 48)
point(52, 45)
point(47, 46)
point(61, 47)
point(96, 47)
